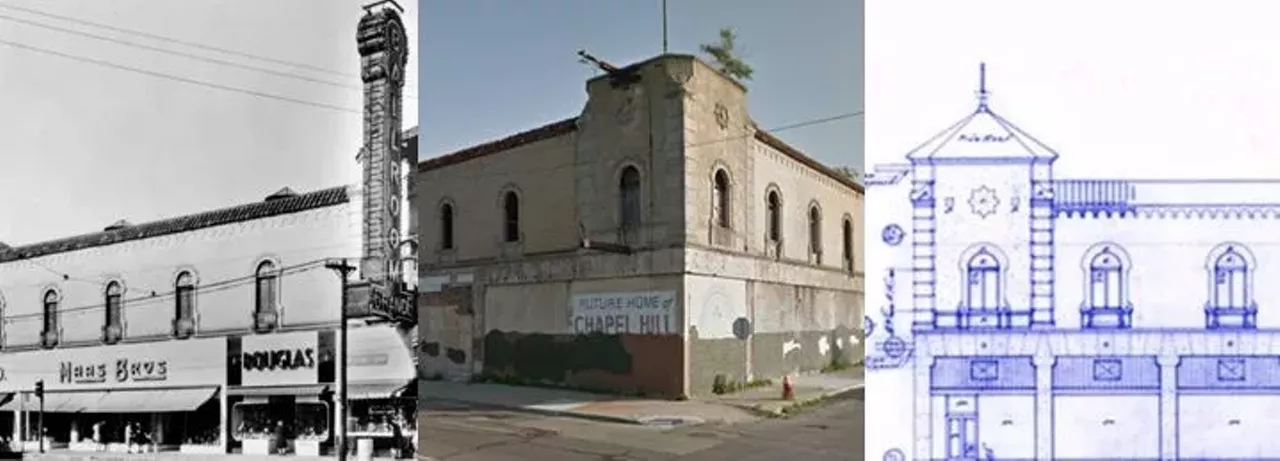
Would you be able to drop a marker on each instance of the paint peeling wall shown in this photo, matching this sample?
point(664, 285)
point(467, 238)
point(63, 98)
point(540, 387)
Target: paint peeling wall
point(446, 342)
point(793, 328)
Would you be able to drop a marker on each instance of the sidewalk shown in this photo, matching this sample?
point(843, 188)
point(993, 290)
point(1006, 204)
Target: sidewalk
point(808, 390)
point(729, 409)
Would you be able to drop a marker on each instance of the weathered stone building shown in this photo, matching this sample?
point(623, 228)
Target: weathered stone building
point(647, 245)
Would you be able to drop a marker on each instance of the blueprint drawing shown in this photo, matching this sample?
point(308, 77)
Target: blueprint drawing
point(1026, 316)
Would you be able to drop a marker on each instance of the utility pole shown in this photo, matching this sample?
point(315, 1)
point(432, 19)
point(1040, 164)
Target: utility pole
point(40, 428)
point(344, 270)
point(664, 26)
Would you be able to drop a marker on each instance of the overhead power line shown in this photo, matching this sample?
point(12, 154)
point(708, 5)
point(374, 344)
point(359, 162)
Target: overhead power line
point(138, 33)
point(176, 78)
point(143, 300)
point(573, 164)
point(806, 123)
point(410, 91)
point(176, 53)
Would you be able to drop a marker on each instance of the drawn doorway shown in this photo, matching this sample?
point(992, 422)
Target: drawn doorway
point(962, 437)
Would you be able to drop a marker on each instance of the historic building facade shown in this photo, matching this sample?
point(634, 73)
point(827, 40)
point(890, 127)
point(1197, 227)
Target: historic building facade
point(199, 333)
point(655, 241)
point(1069, 318)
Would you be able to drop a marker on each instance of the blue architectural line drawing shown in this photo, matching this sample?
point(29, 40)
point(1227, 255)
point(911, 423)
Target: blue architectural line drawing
point(893, 351)
point(1046, 318)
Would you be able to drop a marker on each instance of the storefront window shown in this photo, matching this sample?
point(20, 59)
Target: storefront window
point(312, 421)
point(254, 421)
point(379, 417)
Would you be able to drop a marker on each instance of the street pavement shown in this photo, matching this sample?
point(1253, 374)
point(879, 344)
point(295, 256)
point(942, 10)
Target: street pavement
point(453, 431)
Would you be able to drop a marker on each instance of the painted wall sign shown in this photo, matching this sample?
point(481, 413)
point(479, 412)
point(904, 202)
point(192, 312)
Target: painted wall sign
point(279, 359)
point(646, 313)
point(122, 370)
point(191, 362)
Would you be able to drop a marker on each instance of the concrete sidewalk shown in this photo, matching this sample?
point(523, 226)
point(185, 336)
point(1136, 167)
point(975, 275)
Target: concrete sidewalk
point(808, 389)
point(730, 409)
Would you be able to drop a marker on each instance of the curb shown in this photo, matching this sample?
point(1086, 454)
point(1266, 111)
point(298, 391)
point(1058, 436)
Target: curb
point(547, 412)
point(783, 411)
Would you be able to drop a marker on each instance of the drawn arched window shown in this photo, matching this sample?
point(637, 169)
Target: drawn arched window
point(1106, 280)
point(511, 217)
point(1229, 272)
point(815, 231)
point(720, 200)
point(446, 226)
point(49, 337)
point(112, 321)
point(629, 199)
point(846, 241)
point(773, 208)
point(1231, 303)
point(983, 279)
point(184, 304)
point(267, 283)
point(1106, 288)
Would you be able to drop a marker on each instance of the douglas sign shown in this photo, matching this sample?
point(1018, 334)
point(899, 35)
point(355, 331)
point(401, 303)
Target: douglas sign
point(279, 359)
point(282, 359)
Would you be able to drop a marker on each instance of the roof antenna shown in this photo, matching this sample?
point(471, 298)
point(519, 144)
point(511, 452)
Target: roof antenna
point(983, 95)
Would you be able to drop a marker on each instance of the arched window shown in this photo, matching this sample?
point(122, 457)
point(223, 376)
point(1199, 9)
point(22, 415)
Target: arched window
point(815, 231)
point(720, 200)
point(50, 333)
point(184, 303)
point(112, 320)
point(1229, 273)
point(1106, 280)
point(511, 217)
point(982, 275)
point(1106, 289)
point(773, 208)
point(629, 199)
point(846, 241)
point(1231, 303)
point(267, 282)
point(446, 226)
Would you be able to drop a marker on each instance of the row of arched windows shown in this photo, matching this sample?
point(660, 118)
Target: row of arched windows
point(510, 221)
point(629, 211)
point(1229, 271)
point(721, 210)
point(266, 287)
point(630, 215)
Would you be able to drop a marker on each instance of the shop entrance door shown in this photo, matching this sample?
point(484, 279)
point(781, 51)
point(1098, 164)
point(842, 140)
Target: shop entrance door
point(282, 408)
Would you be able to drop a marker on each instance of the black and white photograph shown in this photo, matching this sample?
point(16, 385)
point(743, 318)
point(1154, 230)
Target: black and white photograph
point(207, 240)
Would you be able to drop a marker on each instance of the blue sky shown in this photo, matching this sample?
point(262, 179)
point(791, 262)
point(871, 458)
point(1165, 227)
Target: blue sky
point(490, 68)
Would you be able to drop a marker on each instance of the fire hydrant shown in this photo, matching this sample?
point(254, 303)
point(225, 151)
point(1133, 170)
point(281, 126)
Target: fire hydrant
point(788, 393)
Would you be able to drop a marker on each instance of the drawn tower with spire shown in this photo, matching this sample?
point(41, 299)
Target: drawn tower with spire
point(986, 186)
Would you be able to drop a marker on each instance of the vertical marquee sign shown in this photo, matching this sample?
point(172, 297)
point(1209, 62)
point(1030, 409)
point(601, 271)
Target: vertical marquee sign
point(383, 54)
